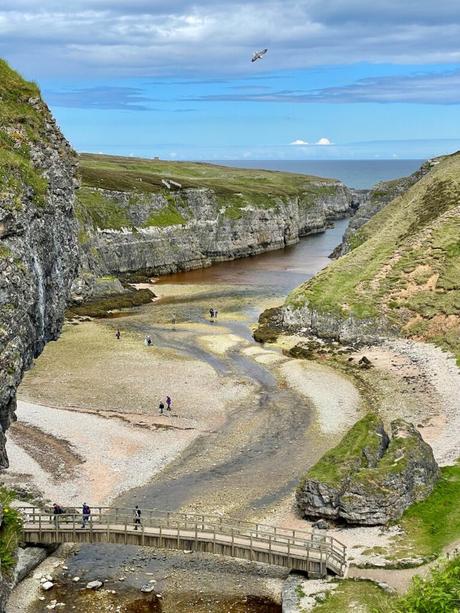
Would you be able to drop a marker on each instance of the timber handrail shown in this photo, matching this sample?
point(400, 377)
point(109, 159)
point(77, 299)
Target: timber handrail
point(285, 541)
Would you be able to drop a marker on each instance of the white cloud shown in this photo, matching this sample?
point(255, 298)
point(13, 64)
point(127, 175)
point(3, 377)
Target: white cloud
point(299, 141)
point(323, 141)
point(141, 37)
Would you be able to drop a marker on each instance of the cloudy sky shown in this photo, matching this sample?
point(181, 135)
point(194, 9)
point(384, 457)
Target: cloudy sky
point(341, 79)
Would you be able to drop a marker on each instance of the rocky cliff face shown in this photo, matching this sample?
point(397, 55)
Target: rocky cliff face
point(38, 247)
point(165, 231)
point(370, 478)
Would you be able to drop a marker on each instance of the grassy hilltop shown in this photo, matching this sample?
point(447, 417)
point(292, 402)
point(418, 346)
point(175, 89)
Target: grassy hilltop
point(234, 188)
point(404, 264)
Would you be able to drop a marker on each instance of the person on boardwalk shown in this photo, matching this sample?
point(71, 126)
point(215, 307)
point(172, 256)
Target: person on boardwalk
point(161, 408)
point(168, 402)
point(137, 517)
point(118, 334)
point(57, 510)
point(86, 512)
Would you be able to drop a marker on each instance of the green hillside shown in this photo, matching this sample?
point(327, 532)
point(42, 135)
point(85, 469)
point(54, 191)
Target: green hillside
point(404, 266)
point(21, 124)
point(144, 175)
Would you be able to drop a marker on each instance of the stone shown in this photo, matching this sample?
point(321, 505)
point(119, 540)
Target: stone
point(47, 585)
point(321, 524)
point(377, 483)
point(147, 588)
point(94, 585)
point(76, 579)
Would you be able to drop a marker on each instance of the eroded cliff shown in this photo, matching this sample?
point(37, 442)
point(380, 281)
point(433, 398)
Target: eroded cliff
point(131, 221)
point(38, 233)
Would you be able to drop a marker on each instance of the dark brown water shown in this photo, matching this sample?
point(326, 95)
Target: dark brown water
point(283, 268)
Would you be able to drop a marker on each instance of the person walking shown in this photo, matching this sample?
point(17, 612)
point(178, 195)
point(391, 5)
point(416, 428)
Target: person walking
point(57, 510)
point(86, 512)
point(211, 313)
point(137, 517)
point(174, 320)
point(215, 314)
point(148, 341)
point(118, 334)
point(161, 408)
point(168, 402)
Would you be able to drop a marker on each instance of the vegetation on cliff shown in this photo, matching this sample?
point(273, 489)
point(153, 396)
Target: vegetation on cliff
point(21, 123)
point(405, 264)
point(234, 188)
point(10, 531)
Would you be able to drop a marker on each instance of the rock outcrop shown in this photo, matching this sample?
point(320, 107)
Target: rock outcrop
point(38, 246)
point(142, 226)
point(370, 478)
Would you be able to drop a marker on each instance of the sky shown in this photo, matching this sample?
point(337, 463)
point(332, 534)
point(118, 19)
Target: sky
point(342, 79)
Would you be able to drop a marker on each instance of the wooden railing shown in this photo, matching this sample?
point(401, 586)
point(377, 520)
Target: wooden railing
point(312, 552)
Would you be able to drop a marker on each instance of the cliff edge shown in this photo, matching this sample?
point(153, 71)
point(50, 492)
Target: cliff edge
point(38, 234)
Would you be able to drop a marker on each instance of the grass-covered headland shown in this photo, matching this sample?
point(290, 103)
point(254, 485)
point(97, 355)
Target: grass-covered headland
point(233, 189)
point(404, 266)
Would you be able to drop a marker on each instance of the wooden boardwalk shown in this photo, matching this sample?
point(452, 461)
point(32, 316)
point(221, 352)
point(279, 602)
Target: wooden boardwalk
point(313, 553)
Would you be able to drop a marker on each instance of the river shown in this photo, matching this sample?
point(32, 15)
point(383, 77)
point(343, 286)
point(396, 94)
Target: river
point(256, 431)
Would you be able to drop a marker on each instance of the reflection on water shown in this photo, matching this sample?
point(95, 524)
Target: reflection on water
point(283, 268)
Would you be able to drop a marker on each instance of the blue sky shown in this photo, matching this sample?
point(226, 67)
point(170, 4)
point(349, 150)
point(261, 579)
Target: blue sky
point(341, 79)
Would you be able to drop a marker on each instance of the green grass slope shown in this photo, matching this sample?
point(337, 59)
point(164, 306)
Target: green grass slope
point(404, 266)
point(21, 124)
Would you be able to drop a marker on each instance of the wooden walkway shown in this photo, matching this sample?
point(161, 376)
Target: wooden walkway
point(313, 553)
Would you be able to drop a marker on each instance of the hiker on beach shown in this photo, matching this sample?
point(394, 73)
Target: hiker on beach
point(57, 510)
point(168, 402)
point(174, 320)
point(137, 517)
point(148, 341)
point(161, 408)
point(86, 512)
point(215, 314)
point(211, 313)
point(118, 334)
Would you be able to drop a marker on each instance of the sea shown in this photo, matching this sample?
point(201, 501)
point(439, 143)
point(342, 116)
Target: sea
point(358, 174)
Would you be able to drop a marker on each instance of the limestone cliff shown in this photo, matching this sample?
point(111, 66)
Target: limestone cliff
point(131, 221)
point(38, 247)
point(370, 478)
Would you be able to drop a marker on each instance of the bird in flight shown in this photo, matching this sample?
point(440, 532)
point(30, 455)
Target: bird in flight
point(258, 55)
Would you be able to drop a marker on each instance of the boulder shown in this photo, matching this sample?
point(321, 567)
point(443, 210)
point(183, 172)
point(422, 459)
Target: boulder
point(94, 585)
point(370, 479)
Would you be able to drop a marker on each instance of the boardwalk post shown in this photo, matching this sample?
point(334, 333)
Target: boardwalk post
point(73, 528)
point(214, 541)
point(270, 557)
point(126, 530)
point(160, 536)
point(40, 526)
point(251, 551)
point(233, 542)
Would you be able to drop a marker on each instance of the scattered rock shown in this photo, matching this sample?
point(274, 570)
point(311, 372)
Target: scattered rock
point(321, 524)
point(76, 579)
point(94, 585)
point(47, 585)
point(147, 588)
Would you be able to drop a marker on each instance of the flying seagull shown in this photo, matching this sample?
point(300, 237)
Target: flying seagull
point(258, 55)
